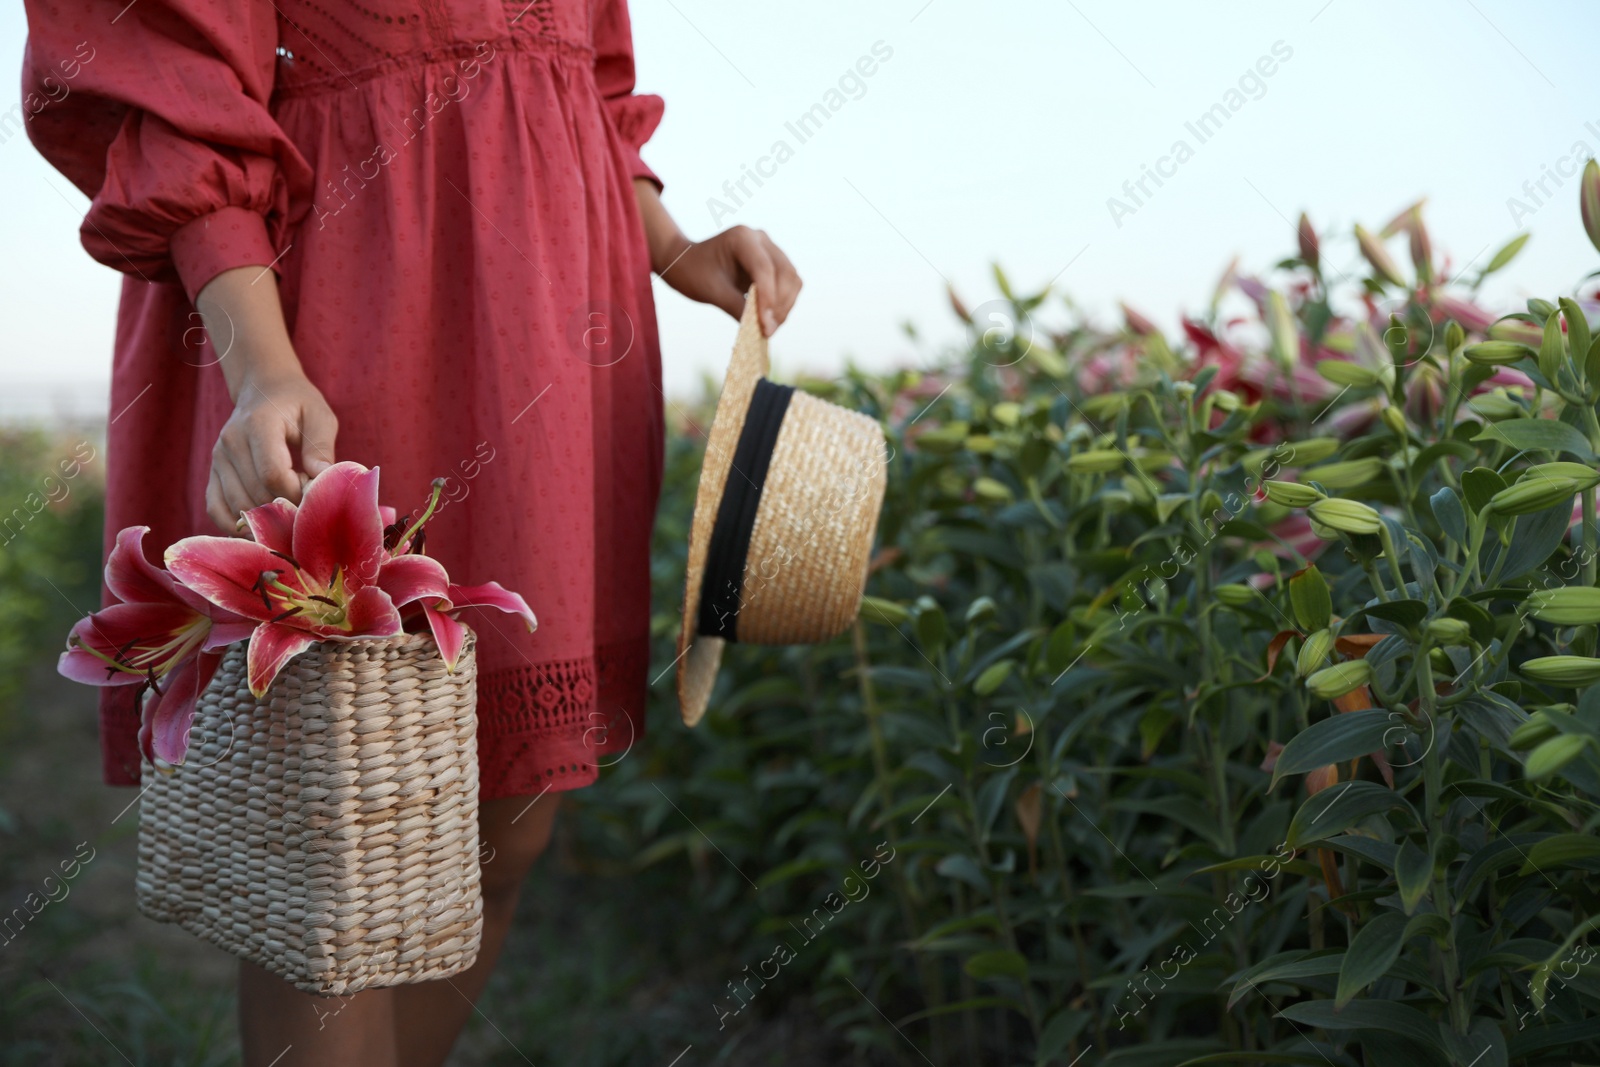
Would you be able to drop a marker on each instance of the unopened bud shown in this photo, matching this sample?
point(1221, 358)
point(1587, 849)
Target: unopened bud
point(1589, 201)
point(1395, 419)
point(1314, 653)
point(1447, 631)
point(1311, 450)
point(1521, 331)
point(1378, 256)
point(990, 489)
point(1581, 475)
point(1578, 672)
point(1348, 474)
point(1532, 494)
point(1498, 353)
point(1421, 247)
point(1235, 595)
point(1333, 682)
point(1096, 461)
point(1292, 494)
point(1346, 516)
point(1345, 372)
point(1309, 249)
point(1577, 605)
point(1283, 329)
point(1539, 727)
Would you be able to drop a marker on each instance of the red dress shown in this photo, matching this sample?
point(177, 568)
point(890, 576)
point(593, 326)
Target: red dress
point(444, 188)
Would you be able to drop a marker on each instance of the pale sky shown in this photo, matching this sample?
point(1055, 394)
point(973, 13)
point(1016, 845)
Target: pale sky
point(998, 132)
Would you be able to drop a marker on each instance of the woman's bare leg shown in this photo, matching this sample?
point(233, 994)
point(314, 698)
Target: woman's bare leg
point(404, 1026)
point(429, 1015)
point(279, 1026)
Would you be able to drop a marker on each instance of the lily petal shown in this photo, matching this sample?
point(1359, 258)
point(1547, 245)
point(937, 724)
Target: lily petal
point(225, 571)
point(449, 634)
point(410, 577)
point(224, 634)
point(371, 613)
point(271, 646)
point(132, 578)
point(338, 527)
point(81, 666)
point(171, 714)
point(272, 525)
point(120, 631)
point(492, 595)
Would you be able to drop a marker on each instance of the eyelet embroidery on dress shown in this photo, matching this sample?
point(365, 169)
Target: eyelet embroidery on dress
point(537, 17)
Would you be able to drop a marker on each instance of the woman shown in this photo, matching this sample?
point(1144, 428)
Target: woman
point(418, 235)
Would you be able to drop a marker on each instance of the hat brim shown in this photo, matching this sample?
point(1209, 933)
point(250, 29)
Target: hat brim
point(699, 656)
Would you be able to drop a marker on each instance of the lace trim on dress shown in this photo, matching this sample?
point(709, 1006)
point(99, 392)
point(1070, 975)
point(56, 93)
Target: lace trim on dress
point(552, 726)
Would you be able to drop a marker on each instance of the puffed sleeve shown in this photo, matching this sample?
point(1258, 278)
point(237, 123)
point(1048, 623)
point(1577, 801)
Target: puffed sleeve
point(634, 115)
point(158, 111)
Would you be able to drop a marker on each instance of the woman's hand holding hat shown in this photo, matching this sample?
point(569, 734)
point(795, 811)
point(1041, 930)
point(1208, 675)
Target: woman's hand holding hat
point(719, 269)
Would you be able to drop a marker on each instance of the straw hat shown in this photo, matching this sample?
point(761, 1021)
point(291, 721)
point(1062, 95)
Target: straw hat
point(783, 519)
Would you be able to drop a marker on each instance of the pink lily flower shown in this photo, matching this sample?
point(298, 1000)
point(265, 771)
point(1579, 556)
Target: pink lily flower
point(312, 572)
point(159, 633)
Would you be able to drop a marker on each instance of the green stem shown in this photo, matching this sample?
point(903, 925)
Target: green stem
point(1589, 547)
point(1393, 557)
point(1500, 561)
point(1592, 424)
point(1475, 534)
point(1433, 799)
point(927, 968)
point(1377, 582)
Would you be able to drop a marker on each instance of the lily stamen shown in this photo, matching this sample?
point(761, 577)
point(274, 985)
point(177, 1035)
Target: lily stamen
point(112, 664)
point(414, 528)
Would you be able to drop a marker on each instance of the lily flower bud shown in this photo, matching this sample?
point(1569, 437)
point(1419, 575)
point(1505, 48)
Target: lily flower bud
point(1378, 257)
point(1532, 494)
point(1498, 353)
point(1309, 250)
point(1333, 682)
point(1292, 494)
point(1346, 516)
point(1577, 605)
point(1578, 672)
point(1589, 201)
point(1447, 631)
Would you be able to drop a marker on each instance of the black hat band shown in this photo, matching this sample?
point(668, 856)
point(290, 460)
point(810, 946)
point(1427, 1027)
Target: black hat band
point(722, 583)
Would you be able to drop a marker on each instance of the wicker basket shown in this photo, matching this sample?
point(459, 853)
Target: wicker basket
point(328, 832)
